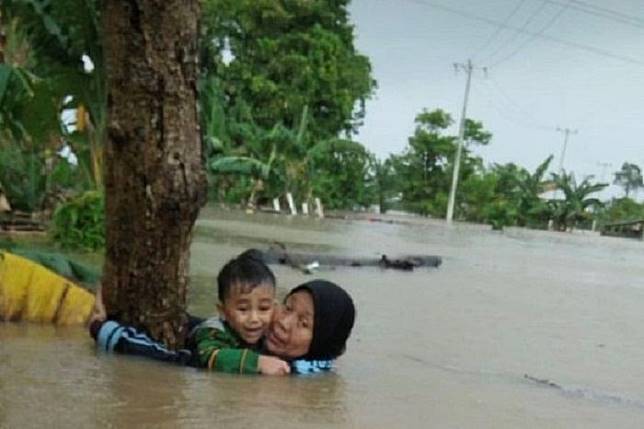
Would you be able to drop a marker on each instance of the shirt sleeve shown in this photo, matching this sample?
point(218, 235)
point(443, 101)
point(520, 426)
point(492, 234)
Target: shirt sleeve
point(218, 350)
point(112, 337)
point(302, 366)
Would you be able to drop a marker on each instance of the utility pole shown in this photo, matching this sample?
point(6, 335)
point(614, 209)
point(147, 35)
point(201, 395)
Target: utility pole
point(461, 134)
point(604, 166)
point(566, 132)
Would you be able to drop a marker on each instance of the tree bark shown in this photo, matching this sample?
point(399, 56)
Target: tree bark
point(155, 181)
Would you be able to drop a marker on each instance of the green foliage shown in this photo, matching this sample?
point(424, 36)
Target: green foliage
point(385, 183)
point(58, 34)
point(16, 87)
point(292, 83)
point(621, 210)
point(80, 222)
point(478, 194)
point(30, 176)
point(424, 169)
point(575, 206)
point(27, 110)
point(21, 177)
point(286, 55)
point(629, 178)
point(500, 213)
point(531, 209)
point(343, 175)
point(240, 165)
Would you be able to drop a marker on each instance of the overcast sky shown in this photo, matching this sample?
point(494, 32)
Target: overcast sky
point(584, 71)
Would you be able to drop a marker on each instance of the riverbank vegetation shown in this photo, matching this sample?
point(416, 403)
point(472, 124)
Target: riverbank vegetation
point(282, 92)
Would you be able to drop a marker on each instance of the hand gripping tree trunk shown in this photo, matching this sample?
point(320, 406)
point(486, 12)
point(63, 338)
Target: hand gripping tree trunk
point(155, 181)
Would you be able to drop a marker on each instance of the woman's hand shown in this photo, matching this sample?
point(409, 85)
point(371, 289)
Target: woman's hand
point(270, 365)
point(98, 312)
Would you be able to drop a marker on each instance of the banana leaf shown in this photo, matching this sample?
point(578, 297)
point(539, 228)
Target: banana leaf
point(60, 264)
point(240, 165)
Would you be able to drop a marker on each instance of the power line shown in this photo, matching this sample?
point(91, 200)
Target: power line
point(513, 107)
point(580, 46)
point(499, 29)
point(552, 20)
point(503, 110)
point(603, 12)
point(510, 38)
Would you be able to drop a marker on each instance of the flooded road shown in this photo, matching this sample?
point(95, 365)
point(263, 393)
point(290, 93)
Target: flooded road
point(446, 348)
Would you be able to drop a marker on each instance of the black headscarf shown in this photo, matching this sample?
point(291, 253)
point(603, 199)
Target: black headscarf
point(333, 319)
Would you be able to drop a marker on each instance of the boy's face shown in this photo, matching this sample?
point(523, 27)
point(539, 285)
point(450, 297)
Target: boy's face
point(249, 311)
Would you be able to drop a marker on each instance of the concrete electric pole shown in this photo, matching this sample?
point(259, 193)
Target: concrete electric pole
point(461, 134)
point(566, 132)
point(604, 166)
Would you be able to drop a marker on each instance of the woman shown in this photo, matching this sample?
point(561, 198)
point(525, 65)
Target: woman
point(310, 330)
point(312, 327)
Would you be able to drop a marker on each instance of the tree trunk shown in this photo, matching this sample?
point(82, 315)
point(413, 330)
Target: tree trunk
point(155, 181)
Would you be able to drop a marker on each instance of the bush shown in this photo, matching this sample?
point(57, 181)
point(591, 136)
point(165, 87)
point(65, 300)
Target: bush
point(80, 222)
point(22, 178)
point(621, 210)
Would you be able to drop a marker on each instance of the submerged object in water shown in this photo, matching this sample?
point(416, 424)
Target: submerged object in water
point(278, 254)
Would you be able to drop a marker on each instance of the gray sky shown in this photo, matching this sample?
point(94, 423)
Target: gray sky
point(592, 81)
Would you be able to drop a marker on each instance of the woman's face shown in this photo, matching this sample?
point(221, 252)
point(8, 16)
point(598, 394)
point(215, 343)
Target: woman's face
point(291, 331)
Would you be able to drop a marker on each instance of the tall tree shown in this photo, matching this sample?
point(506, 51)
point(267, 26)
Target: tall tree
point(154, 181)
point(425, 166)
point(274, 58)
point(629, 178)
point(340, 173)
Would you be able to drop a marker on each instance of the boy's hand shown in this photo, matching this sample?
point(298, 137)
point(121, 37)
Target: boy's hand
point(270, 365)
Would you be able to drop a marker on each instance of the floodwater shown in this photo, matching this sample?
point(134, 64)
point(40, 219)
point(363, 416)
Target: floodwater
point(445, 348)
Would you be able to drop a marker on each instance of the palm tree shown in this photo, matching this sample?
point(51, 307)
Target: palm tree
point(576, 203)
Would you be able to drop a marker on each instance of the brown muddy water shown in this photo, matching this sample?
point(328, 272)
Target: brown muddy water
point(444, 348)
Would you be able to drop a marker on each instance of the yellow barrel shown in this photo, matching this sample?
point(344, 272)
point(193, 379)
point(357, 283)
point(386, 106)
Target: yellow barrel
point(31, 292)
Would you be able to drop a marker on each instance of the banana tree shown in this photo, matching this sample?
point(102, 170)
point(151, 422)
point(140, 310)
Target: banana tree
point(16, 87)
point(65, 42)
point(245, 166)
point(530, 208)
point(272, 159)
point(575, 206)
point(27, 118)
point(247, 160)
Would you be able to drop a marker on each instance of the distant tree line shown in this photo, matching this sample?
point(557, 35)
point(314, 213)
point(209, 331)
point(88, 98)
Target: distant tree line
point(282, 91)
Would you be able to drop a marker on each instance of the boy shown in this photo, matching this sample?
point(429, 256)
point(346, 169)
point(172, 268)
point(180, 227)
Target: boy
point(246, 289)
